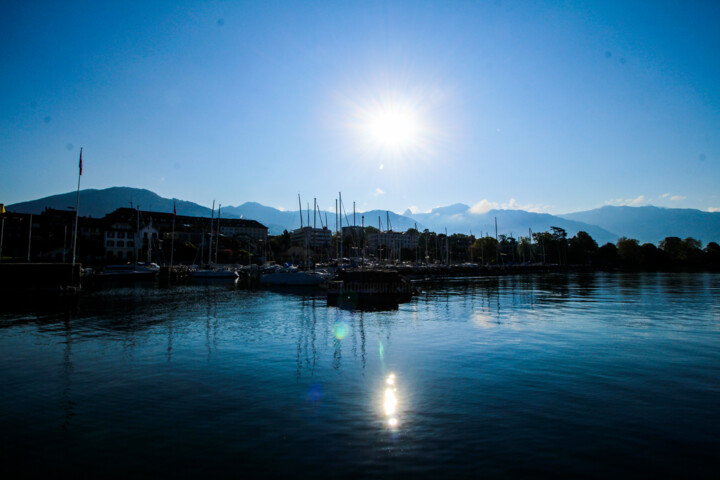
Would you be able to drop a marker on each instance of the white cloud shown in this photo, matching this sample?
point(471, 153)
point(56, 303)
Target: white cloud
point(484, 206)
point(713, 209)
point(379, 191)
point(416, 209)
point(632, 202)
point(530, 207)
point(674, 198)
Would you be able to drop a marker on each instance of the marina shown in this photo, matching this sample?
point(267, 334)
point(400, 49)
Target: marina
point(366, 240)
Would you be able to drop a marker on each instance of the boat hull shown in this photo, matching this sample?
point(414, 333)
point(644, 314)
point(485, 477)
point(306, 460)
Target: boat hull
point(292, 279)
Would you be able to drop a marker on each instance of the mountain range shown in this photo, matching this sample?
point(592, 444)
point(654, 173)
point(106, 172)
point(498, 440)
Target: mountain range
point(606, 224)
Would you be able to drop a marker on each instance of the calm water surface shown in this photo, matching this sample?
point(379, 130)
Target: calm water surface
point(586, 375)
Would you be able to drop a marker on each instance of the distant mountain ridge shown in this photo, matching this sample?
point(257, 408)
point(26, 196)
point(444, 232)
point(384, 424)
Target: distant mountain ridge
point(606, 224)
point(652, 224)
point(98, 203)
point(458, 218)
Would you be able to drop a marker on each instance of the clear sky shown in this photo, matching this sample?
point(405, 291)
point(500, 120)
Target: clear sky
point(547, 106)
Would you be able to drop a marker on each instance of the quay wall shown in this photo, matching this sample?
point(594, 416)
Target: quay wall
point(439, 271)
point(40, 276)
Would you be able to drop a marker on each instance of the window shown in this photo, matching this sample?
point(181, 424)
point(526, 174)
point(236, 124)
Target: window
point(110, 243)
point(130, 243)
point(121, 235)
point(110, 234)
point(121, 244)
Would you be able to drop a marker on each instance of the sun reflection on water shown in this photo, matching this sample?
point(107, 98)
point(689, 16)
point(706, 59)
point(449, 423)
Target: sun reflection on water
point(390, 402)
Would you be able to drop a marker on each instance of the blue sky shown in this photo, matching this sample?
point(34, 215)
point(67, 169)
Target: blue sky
point(546, 106)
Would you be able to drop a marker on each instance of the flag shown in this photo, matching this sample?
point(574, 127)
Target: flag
point(80, 160)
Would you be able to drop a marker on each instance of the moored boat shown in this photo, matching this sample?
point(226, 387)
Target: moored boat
point(295, 277)
point(214, 273)
point(361, 288)
point(129, 272)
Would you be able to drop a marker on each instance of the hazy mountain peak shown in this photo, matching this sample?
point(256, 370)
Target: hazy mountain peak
point(453, 209)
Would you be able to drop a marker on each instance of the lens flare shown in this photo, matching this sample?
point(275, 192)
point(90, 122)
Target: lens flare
point(340, 330)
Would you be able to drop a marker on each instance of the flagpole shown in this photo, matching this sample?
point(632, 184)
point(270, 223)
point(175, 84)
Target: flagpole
point(77, 206)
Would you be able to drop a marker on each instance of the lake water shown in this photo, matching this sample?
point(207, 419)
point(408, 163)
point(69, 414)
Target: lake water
point(579, 375)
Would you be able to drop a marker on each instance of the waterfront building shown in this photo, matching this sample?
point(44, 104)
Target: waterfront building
point(313, 238)
point(122, 235)
point(393, 240)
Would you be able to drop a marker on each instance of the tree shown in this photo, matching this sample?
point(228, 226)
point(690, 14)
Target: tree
point(692, 251)
point(525, 249)
point(547, 249)
point(485, 250)
point(650, 256)
point(673, 247)
point(607, 254)
point(582, 248)
point(560, 237)
point(712, 255)
point(628, 250)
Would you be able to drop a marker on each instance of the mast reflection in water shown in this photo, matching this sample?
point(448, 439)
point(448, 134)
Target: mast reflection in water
point(576, 375)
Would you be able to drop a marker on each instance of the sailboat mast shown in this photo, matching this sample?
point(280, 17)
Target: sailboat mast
point(341, 239)
point(137, 234)
point(217, 241)
point(417, 247)
point(363, 242)
point(300, 206)
point(77, 207)
point(29, 237)
point(172, 239)
point(447, 246)
point(212, 217)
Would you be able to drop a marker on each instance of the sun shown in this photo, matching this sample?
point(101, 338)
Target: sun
point(393, 127)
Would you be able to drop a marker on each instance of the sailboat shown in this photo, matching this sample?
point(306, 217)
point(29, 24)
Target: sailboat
point(290, 275)
point(217, 272)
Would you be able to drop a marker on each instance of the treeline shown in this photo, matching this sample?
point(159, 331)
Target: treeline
point(555, 247)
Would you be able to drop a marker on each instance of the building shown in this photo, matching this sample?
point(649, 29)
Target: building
point(313, 238)
point(394, 241)
point(248, 229)
point(155, 227)
point(123, 235)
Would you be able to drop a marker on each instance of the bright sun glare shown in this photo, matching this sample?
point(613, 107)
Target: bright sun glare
point(393, 127)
